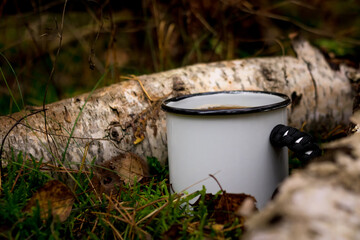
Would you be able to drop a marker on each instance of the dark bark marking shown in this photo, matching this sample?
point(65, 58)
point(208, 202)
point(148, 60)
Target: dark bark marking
point(223, 74)
point(115, 111)
point(309, 66)
point(178, 84)
point(267, 74)
point(295, 99)
point(313, 233)
point(276, 219)
point(285, 74)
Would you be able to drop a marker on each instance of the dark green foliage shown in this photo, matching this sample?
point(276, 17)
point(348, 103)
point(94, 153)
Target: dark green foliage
point(156, 169)
point(22, 177)
point(143, 37)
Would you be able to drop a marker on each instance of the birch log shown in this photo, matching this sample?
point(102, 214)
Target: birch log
point(122, 117)
point(320, 202)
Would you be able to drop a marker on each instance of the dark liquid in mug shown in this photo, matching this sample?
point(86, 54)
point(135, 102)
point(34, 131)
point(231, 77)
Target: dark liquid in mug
point(222, 107)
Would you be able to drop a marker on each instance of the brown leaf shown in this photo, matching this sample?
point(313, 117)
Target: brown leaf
point(131, 166)
point(124, 168)
point(54, 196)
point(106, 180)
point(174, 232)
point(224, 206)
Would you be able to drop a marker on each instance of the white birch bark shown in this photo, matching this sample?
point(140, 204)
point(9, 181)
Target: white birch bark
point(118, 116)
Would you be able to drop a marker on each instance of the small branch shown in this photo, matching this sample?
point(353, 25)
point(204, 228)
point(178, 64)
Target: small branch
point(58, 135)
point(133, 77)
point(60, 34)
point(217, 182)
point(92, 50)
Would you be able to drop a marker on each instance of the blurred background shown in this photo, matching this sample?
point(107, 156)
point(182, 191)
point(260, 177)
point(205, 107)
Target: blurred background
point(142, 37)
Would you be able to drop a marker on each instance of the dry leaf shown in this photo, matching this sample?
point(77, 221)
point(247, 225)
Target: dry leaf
point(139, 139)
point(224, 206)
point(105, 179)
point(131, 166)
point(217, 227)
point(124, 168)
point(139, 133)
point(54, 196)
point(174, 232)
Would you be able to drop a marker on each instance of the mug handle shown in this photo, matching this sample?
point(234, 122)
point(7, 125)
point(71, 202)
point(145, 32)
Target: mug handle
point(302, 144)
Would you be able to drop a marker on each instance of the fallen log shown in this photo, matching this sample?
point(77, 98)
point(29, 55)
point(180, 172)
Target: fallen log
point(320, 202)
point(126, 117)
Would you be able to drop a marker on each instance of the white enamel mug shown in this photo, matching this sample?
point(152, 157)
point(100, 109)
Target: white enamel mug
point(226, 134)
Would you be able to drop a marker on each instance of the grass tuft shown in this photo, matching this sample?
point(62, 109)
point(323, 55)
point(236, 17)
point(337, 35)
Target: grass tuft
point(144, 210)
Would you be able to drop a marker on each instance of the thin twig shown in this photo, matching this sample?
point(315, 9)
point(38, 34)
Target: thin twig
point(112, 40)
point(266, 13)
point(204, 22)
point(117, 234)
point(58, 135)
point(283, 59)
point(94, 227)
point(60, 35)
point(111, 215)
point(18, 175)
point(92, 49)
point(153, 213)
point(133, 77)
point(84, 156)
point(217, 182)
point(224, 196)
point(200, 181)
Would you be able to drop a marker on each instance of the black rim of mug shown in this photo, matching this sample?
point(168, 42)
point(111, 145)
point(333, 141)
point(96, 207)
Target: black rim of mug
point(189, 111)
